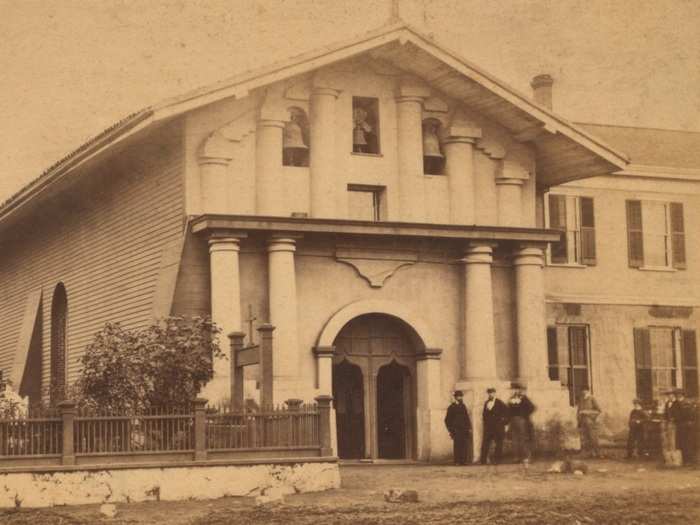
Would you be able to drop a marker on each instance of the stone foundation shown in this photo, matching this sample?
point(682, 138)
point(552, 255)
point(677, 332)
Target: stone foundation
point(120, 485)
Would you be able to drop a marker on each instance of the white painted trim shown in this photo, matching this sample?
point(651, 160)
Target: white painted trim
point(621, 300)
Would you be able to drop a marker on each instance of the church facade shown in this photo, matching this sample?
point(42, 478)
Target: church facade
point(407, 223)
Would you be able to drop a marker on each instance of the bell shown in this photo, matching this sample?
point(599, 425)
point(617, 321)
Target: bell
point(359, 116)
point(358, 137)
point(431, 143)
point(293, 136)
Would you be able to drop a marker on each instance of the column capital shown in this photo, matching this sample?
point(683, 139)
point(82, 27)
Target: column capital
point(325, 91)
point(225, 243)
point(409, 98)
point(528, 255)
point(271, 123)
point(463, 133)
point(509, 181)
point(412, 89)
point(478, 253)
point(282, 243)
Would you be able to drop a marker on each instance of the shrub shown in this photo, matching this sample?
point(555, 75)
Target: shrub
point(165, 364)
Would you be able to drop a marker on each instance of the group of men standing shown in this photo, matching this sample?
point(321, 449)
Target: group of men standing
point(496, 415)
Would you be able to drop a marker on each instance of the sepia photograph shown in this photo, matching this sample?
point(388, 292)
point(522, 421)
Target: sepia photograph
point(349, 262)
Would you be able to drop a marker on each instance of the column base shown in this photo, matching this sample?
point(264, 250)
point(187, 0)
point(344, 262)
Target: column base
point(474, 398)
point(554, 419)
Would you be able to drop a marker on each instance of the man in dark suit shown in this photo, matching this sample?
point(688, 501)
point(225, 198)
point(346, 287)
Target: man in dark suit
point(459, 426)
point(495, 417)
point(682, 413)
point(520, 408)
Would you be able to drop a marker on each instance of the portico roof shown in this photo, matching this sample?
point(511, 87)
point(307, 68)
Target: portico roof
point(291, 225)
point(564, 151)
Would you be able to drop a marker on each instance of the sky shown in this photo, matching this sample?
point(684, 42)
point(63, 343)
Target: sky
point(70, 68)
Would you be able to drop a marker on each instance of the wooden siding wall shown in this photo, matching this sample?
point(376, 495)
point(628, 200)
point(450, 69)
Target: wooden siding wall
point(104, 241)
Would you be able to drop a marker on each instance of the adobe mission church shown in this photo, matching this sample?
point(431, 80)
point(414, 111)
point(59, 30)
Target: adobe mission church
point(409, 225)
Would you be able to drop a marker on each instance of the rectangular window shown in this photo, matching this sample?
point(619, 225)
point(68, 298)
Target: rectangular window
point(574, 217)
point(365, 202)
point(365, 122)
point(655, 360)
point(568, 349)
point(655, 234)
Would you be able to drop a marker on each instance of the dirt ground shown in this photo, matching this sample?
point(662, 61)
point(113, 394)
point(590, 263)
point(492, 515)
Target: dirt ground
point(613, 492)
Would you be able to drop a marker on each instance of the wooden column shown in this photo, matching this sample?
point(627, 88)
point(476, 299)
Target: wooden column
point(509, 188)
point(459, 168)
point(479, 356)
point(322, 156)
point(268, 164)
point(409, 114)
point(528, 262)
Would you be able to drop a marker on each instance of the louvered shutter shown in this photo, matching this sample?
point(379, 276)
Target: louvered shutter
point(587, 231)
point(552, 353)
point(635, 238)
point(677, 236)
point(557, 221)
point(642, 363)
point(689, 363)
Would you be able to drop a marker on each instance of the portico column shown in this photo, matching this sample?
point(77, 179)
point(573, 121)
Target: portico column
point(409, 114)
point(225, 307)
point(322, 155)
point(509, 188)
point(268, 163)
point(430, 409)
point(459, 168)
point(282, 290)
point(528, 262)
point(479, 337)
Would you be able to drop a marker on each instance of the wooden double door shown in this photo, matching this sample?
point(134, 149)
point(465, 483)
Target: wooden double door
point(374, 389)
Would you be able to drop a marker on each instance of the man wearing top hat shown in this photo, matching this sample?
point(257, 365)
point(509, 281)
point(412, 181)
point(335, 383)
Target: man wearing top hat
point(682, 413)
point(495, 417)
point(520, 408)
point(459, 426)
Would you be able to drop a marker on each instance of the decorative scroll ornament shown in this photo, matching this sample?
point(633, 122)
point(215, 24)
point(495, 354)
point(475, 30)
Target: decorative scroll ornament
point(375, 267)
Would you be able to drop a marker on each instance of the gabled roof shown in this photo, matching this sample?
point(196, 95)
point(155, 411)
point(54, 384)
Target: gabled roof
point(652, 147)
point(564, 151)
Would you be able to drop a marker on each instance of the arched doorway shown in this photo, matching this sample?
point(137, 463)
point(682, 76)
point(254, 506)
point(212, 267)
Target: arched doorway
point(378, 353)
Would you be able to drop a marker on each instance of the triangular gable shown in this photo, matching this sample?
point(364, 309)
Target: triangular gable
point(564, 151)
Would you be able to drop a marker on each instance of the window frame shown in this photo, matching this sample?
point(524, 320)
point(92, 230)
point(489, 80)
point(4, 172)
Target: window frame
point(670, 236)
point(565, 368)
point(574, 243)
point(377, 199)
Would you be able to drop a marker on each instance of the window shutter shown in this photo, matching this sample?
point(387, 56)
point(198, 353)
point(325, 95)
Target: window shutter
point(557, 221)
point(689, 363)
point(587, 231)
point(642, 361)
point(552, 353)
point(635, 239)
point(677, 236)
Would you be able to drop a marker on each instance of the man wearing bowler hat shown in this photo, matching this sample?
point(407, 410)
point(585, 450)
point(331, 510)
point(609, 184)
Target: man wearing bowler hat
point(459, 426)
point(495, 417)
point(520, 408)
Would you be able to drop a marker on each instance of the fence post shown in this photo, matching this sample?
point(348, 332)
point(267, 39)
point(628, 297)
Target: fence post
point(266, 358)
point(236, 339)
point(293, 407)
point(324, 424)
point(200, 430)
point(68, 411)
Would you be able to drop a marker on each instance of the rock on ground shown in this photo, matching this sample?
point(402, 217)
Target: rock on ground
point(401, 496)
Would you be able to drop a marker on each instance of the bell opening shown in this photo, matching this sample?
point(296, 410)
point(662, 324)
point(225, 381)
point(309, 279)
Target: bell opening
point(433, 158)
point(365, 125)
point(295, 140)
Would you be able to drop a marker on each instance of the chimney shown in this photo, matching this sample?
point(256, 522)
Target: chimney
point(542, 90)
